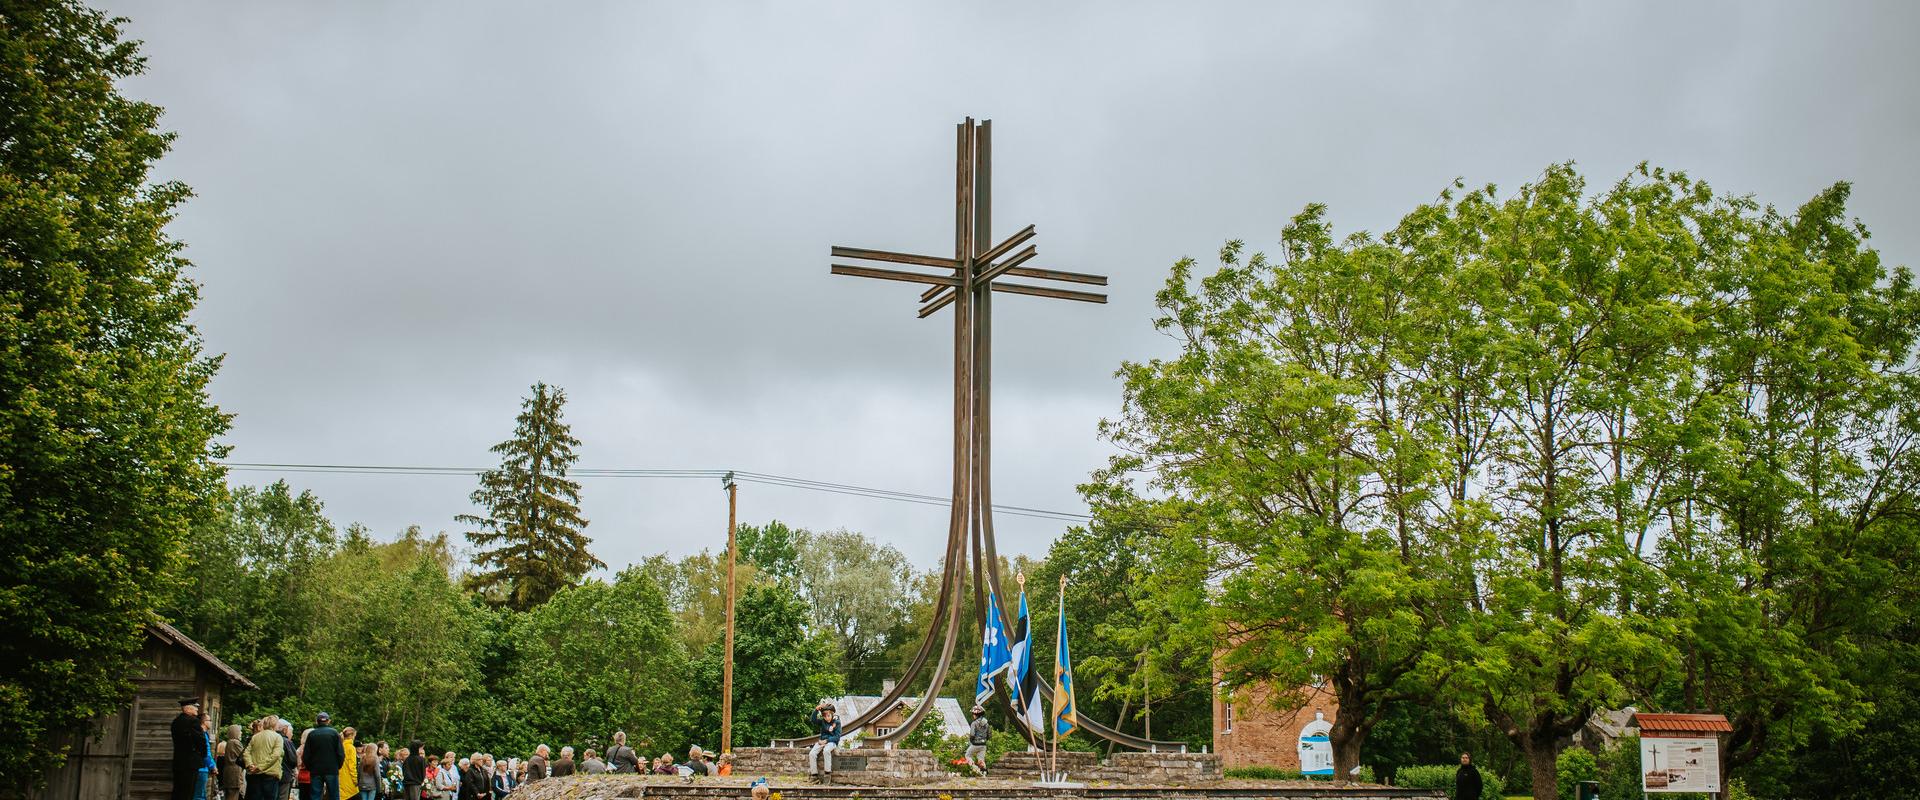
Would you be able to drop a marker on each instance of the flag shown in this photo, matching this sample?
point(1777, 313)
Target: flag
point(1026, 683)
point(1066, 715)
point(994, 657)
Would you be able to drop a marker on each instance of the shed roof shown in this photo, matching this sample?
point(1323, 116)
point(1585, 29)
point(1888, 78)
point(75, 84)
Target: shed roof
point(1656, 724)
point(171, 635)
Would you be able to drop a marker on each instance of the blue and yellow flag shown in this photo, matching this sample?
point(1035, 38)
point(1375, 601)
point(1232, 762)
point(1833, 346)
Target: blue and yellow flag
point(1066, 714)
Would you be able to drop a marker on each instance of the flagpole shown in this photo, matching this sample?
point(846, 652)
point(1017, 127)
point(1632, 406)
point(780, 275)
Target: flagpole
point(1059, 642)
point(1018, 686)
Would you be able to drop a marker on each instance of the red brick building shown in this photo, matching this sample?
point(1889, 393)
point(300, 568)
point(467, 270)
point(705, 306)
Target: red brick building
point(1248, 731)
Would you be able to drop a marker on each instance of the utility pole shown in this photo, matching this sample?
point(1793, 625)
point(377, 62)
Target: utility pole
point(726, 669)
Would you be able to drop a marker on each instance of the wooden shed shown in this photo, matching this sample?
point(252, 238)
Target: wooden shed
point(127, 754)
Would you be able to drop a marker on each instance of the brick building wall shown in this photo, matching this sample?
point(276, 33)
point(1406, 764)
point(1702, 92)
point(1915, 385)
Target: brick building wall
point(1249, 732)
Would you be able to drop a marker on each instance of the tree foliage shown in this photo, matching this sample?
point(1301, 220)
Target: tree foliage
point(1540, 454)
point(249, 569)
point(600, 657)
point(857, 592)
point(531, 535)
point(780, 670)
point(107, 437)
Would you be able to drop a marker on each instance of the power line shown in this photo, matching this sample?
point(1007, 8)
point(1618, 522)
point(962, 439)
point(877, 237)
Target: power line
point(762, 478)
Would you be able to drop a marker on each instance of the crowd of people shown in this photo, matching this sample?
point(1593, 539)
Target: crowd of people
point(266, 761)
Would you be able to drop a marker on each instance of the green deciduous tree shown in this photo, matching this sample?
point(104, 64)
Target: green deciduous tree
point(1794, 556)
point(857, 591)
point(1290, 459)
point(773, 549)
point(1135, 664)
point(1542, 454)
point(107, 437)
point(530, 538)
point(600, 657)
point(246, 573)
point(781, 668)
point(391, 643)
point(695, 587)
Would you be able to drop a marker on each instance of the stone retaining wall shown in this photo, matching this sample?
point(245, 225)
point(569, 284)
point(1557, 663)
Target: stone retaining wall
point(866, 766)
point(769, 761)
point(1159, 768)
point(1029, 764)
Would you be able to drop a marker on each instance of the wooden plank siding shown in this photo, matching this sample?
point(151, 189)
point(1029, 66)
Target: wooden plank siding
point(129, 754)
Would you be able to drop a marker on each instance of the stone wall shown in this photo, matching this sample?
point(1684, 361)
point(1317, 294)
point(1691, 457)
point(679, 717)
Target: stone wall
point(1028, 764)
point(769, 761)
point(1159, 768)
point(863, 766)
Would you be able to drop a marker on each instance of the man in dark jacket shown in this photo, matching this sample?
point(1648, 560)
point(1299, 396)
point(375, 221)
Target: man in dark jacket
point(324, 754)
point(189, 748)
point(620, 757)
point(538, 767)
point(413, 771)
point(1466, 782)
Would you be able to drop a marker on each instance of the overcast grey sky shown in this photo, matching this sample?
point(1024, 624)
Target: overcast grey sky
point(408, 212)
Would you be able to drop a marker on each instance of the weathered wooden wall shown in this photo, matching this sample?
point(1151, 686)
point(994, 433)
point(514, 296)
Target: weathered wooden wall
point(130, 754)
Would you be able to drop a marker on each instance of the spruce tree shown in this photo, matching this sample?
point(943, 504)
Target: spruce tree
point(530, 540)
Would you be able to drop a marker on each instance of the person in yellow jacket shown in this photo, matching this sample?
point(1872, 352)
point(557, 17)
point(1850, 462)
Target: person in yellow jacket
point(349, 766)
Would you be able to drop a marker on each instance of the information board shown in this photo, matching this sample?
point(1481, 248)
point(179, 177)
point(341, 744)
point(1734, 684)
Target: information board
point(1316, 750)
point(1679, 765)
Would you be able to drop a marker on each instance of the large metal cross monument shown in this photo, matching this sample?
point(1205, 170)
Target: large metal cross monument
point(966, 281)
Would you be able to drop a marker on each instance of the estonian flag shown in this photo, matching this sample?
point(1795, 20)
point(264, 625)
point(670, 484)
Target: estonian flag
point(1027, 684)
point(1066, 715)
point(994, 657)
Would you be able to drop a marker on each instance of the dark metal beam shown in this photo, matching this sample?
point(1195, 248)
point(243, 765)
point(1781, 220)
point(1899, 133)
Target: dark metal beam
point(1003, 248)
point(895, 258)
point(1042, 291)
point(1001, 268)
point(1060, 275)
point(894, 275)
point(939, 303)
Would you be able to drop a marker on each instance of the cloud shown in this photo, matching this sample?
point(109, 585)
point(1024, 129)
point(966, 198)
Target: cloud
point(408, 213)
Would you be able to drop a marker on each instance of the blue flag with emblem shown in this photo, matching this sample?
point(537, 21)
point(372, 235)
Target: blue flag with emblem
point(1026, 681)
point(1066, 714)
point(994, 656)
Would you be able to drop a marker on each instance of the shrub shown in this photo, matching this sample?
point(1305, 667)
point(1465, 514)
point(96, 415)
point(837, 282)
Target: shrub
point(1440, 776)
point(1619, 770)
point(1267, 773)
point(1262, 774)
point(1573, 766)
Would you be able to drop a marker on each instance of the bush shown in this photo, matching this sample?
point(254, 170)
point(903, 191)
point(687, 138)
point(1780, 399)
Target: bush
point(1440, 776)
point(1267, 773)
point(1573, 766)
point(930, 733)
point(1619, 770)
point(1262, 774)
point(954, 748)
